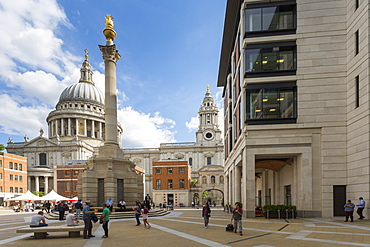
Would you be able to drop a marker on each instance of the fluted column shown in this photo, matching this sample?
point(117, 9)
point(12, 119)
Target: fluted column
point(69, 127)
point(37, 183)
point(62, 132)
point(110, 56)
point(56, 127)
point(76, 127)
point(46, 188)
point(85, 127)
point(100, 130)
point(29, 183)
point(92, 128)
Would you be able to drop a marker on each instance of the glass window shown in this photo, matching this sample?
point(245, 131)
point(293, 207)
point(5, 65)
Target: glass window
point(190, 161)
point(16, 190)
point(271, 103)
point(16, 177)
point(158, 170)
point(1, 188)
point(67, 173)
point(20, 178)
point(1, 163)
point(20, 190)
point(42, 158)
point(1, 176)
point(11, 177)
point(182, 170)
point(169, 170)
point(182, 183)
point(20, 167)
point(170, 183)
point(209, 161)
point(275, 17)
point(158, 184)
point(11, 189)
point(274, 58)
point(10, 165)
point(15, 166)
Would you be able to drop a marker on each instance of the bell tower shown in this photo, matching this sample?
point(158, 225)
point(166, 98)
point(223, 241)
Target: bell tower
point(208, 132)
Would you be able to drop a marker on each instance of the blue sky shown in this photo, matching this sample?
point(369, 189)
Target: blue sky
point(169, 53)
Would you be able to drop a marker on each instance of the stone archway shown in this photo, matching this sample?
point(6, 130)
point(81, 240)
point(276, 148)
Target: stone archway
point(215, 196)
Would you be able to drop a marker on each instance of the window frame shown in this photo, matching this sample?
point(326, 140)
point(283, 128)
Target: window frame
point(181, 170)
point(282, 86)
point(169, 184)
point(272, 32)
point(157, 170)
point(182, 183)
point(267, 50)
point(158, 184)
point(169, 171)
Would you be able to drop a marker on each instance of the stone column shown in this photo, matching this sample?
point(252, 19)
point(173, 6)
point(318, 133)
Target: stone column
point(56, 127)
point(100, 130)
point(29, 183)
point(110, 56)
point(46, 187)
point(62, 132)
point(237, 183)
point(92, 128)
point(37, 183)
point(250, 186)
point(85, 127)
point(76, 127)
point(69, 127)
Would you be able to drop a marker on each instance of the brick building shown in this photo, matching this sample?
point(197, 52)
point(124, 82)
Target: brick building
point(66, 177)
point(171, 182)
point(13, 175)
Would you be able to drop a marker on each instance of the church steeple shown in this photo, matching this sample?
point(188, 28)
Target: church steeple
point(208, 120)
point(86, 73)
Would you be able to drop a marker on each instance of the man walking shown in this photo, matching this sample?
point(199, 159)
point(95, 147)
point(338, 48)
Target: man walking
point(360, 208)
point(78, 207)
point(86, 216)
point(237, 217)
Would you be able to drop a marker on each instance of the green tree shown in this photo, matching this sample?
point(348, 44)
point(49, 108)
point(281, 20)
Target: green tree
point(38, 193)
point(205, 194)
point(193, 182)
point(1, 148)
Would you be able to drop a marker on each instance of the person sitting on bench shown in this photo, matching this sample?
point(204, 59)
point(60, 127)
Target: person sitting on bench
point(38, 220)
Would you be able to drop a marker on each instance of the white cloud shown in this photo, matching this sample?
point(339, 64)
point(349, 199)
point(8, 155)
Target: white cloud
point(193, 124)
point(145, 130)
point(19, 120)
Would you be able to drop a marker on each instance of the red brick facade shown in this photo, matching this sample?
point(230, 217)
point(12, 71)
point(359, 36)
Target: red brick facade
point(13, 174)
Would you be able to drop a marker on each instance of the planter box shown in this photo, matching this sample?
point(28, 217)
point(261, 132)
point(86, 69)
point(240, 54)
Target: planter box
point(283, 215)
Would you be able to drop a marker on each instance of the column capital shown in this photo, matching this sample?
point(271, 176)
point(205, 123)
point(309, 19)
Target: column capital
point(110, 53)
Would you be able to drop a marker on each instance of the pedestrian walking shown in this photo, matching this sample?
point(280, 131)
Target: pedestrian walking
point(137, 211)
point(349, 207)
point(360, 208)
point(206, 213)
point(87, 217)
point(144, 213)
point(78, 207)
point(104, 219)
point(237, 217)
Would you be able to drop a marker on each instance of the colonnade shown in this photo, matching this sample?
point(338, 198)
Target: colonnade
point(37, 184)
point(75, 126)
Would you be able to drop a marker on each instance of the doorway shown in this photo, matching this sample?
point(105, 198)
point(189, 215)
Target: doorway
point(169, 199)
point(339, 199)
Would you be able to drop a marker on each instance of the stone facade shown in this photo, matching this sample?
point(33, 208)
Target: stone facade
point(318, 157)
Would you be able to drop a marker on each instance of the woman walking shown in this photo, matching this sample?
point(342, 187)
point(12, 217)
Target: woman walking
point(137, 210)
point(104, 219)
point(144, 213)
point(206, 213)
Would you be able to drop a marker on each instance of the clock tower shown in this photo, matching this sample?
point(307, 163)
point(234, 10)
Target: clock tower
point(208, 132)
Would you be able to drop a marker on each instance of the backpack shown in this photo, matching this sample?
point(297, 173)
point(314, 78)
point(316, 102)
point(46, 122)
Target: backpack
point(146, 210)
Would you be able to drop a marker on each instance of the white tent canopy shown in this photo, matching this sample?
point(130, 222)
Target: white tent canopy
point(53, 196)
point(28, 196)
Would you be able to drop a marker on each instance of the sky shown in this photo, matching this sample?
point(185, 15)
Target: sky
point(169, 51)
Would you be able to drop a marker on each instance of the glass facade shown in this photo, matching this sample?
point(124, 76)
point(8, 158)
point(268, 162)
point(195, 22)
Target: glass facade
point(271, 101)
point(274, 58)
point(270, 17)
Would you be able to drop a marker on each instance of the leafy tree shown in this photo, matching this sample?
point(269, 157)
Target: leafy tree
point(205, 194)
point(1, 148)
point(38, 193)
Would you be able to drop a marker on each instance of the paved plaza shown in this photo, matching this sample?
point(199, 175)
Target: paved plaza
point(184, 227)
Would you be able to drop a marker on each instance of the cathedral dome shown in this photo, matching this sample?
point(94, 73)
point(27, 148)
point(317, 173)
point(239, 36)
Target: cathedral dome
point(85, 89)
point(82, 91)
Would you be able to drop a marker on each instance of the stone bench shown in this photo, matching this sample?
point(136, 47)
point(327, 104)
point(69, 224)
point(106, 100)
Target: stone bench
point(41, 232)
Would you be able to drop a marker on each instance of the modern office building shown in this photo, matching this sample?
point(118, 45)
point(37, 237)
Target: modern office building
point(296, 92)
point(13, 176)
